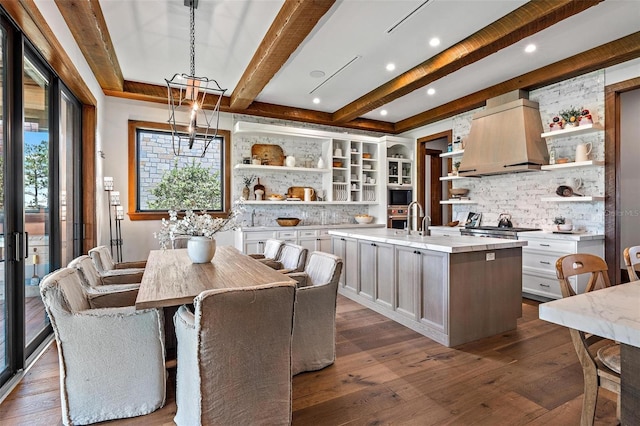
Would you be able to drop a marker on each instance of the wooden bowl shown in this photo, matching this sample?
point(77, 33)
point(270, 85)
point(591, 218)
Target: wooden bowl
point(287, 221)
point(337, 164)
point(459, 192)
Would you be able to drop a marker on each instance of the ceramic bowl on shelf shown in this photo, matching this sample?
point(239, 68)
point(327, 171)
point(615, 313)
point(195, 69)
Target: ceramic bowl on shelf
point(363, 218)
point(458, 192)
point(275, 197)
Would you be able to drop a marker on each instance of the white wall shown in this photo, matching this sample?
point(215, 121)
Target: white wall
point(520, 194)
point(137, 235)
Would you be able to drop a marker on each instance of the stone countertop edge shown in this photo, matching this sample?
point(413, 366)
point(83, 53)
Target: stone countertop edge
point(584, 236)
point(611, 312)
point(310, 227)
point(445, 244)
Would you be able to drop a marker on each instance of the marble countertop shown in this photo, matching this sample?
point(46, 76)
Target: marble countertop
point(447, 244)
point(578, 236)
point(612, 312)
point(315, 226)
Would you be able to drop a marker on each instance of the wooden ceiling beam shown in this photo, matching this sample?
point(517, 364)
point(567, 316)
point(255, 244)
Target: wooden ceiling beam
point(154, 93)
point(291, 26)
point(606, 55)
point(28, 17)
point(528, 19)
point(88, 27)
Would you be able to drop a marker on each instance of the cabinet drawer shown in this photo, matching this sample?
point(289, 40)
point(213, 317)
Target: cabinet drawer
point(324, 233)
point(542, 285)
point(307, 233)
point(566, 247)
point(286, 235)
point(258, 236)
point(537, 260)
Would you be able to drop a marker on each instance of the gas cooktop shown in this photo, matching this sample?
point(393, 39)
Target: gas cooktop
point(499, 228)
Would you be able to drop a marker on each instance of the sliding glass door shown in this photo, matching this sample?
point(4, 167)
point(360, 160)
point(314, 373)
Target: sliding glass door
point(40, 215)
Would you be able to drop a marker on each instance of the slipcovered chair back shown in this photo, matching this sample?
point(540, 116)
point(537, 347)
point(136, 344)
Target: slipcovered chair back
point(111, 359)
point(102, 258)
point(88, 272)
point(272, 248)
point(293, 257)
point(314, 326)
point(234, 357)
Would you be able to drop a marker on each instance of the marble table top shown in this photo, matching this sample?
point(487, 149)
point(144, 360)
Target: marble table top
point(612, 312)
point(447, 244)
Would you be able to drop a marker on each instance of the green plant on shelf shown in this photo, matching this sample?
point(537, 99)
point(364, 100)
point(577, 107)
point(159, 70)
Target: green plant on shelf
point(571, 114)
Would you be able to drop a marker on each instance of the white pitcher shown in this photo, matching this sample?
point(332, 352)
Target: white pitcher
point(582, 151)
point(308, 193)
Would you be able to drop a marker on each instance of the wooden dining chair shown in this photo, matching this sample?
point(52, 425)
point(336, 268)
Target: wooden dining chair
point(599, 357)
point(632, 260)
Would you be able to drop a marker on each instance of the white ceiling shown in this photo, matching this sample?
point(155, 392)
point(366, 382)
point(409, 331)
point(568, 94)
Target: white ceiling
point(151, 40)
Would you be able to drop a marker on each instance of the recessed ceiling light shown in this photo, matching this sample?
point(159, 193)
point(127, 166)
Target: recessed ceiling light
point(530, 48)
point(431, 91)
point(391, 67)
point(383, 112)
point(316, 100)
point(434, 42)
point(317, 74)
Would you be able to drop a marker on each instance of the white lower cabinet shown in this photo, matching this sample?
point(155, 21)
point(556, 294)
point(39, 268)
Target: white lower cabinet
point(376, 272)
point(421, 279)
point(347, 249)
point(315, 240)
point(252, 241)
point(539, 279)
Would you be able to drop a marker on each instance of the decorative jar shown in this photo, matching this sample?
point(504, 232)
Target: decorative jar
point(201, 249)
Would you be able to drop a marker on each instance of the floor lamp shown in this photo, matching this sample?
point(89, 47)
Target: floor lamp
point(113, 200)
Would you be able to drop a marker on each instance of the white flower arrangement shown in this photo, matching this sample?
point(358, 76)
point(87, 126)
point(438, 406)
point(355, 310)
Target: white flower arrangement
point(193, 224)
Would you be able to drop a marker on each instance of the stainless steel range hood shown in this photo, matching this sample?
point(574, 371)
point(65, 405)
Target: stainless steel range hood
point(505, 138)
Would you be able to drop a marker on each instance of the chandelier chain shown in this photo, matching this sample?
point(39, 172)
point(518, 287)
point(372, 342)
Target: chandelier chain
point(193, 39)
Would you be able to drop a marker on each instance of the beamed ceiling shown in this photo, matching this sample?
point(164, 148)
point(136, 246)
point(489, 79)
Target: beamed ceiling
point(264, 51)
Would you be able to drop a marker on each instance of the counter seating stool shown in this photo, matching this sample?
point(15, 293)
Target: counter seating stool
point(314, 321)
point(111, 359)
point(599, 357)
point(291, 258)
point(632, 260)
point(271, 251)
point(234, 357)
point(101, 291)
point(105, 264)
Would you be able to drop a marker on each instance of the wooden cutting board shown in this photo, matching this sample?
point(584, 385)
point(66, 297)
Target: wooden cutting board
point(271, 155)
point(298, 192)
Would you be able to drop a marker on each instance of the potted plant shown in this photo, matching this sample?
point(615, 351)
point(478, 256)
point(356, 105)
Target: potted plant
point(571, 116)
point(247, 180)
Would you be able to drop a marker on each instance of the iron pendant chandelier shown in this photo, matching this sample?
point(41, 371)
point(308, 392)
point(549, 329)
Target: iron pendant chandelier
point(198, 99)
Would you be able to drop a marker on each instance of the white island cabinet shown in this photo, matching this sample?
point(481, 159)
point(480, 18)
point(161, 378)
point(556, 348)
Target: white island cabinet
point(452, 289)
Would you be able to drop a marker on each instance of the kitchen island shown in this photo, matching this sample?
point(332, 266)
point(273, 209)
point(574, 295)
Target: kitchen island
point(452, 289)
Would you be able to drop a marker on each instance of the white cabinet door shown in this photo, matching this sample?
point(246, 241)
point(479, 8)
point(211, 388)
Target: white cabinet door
point(347, 249)
point(308, 243)
point(385, 274)
point(406, 281)
point(367, 268)
point(433, 270)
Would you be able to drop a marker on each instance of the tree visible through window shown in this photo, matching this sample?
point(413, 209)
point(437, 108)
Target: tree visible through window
point(165, 182)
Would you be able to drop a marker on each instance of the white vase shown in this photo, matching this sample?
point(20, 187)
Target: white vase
point(201, 249)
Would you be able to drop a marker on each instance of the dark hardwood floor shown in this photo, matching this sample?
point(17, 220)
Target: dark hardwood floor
point(388, 374)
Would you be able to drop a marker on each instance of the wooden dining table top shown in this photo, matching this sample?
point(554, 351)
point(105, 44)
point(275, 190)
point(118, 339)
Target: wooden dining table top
point(172, 279)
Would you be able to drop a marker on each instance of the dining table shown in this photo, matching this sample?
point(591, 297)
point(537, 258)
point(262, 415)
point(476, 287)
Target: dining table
point(612, 313)
point(171, 279)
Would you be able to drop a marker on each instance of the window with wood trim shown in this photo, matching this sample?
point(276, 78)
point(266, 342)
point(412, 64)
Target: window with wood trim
point(160, 181)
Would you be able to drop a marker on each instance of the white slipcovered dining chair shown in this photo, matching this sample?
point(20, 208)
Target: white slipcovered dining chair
point(632, 261)
point(234, 357)
point(314, 324)
point(111, 359)
point(291, 258)
point(130, 272)
point(100, 289)
point(271, 251)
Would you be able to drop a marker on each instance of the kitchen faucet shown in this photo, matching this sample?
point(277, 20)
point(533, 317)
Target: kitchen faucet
point(425, 229)
point(409, 219)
